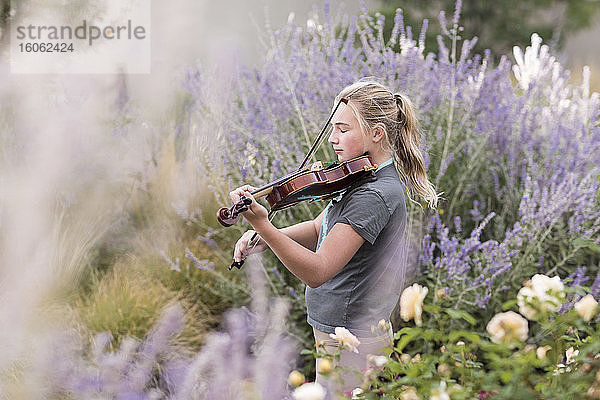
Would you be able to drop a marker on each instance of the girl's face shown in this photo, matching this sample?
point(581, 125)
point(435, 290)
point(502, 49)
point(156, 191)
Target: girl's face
point(346, 138)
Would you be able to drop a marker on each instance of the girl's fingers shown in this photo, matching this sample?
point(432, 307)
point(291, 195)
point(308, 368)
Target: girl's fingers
point(241, 247)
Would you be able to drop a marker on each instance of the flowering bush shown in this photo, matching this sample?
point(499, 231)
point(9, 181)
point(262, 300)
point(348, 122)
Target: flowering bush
point(518, 165)
point(555, 356)
point(514, 147)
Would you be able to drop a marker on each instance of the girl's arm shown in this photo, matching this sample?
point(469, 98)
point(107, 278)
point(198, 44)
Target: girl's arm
point(313, 268)
point(305, 233)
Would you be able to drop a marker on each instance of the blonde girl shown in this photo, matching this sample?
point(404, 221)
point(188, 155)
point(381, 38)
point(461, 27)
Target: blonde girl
point(348, 256)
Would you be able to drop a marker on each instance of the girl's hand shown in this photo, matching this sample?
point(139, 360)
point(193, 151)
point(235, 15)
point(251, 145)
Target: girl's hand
point(243, 247)
point(256, 214)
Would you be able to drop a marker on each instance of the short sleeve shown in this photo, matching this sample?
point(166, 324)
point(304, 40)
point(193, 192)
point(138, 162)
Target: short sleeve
point(367, 213)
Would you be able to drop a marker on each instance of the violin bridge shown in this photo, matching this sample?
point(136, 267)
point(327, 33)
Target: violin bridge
point(316, 166)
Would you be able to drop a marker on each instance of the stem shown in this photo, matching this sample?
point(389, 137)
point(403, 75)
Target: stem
point(451, 110)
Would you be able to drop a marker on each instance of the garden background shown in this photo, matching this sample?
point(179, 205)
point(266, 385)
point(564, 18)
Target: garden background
point(114, 278)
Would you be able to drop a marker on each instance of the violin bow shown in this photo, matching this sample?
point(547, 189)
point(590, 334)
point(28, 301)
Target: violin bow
point(319, 138)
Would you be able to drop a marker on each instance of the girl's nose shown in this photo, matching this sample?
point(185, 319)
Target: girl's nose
point(332, 138)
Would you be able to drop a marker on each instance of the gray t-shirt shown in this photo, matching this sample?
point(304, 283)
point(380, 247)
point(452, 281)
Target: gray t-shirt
point(366, 289)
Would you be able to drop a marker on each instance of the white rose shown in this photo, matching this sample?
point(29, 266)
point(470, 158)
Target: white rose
point(571, 353)
point(506, 327)
point(538, 288)
point(346, 339)
point(411, 303)
point(355, 393)
point(586, 307)
point(309, 391)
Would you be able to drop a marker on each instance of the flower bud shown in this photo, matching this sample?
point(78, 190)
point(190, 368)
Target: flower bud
point(444, 370)
point(416, 358)
point(405, 358)
point(324, 366)
point(440, 294)
point(528, 348)
point(376, 361)
point(586, 368)
point(295, 378)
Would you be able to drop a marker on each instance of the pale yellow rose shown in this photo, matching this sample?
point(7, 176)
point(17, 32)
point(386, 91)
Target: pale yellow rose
point(411, 303)
point(586, 307)
point(506, 327)
point(346, 339)
point(538, 288)
point(295, 378)
point(309, 391)
point(541, 352)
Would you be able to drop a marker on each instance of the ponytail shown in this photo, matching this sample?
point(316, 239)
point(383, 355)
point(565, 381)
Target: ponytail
point(373, 103)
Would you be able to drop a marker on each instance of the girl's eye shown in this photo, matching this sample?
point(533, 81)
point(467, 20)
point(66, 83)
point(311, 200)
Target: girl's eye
point(343, 131)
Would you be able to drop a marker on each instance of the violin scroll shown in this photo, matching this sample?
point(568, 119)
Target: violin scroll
point(230, 216)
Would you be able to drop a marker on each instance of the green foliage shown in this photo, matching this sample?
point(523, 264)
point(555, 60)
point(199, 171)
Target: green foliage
point(559, 359)
point(126, 302)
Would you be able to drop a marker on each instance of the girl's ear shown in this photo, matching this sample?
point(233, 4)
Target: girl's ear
point(378, 132)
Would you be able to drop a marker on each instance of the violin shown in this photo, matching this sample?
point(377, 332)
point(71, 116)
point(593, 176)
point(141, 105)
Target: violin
point(315, 183)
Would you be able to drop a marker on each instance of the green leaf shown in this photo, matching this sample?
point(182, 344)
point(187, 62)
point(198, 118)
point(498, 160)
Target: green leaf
point(587, 243)
point(403, 342)
point(470, 336)
point(405, 336)
point(509, 304)
point(432, 334)
point(431, 308)
point(506, 376)
point(460, 314)
point(405, 331)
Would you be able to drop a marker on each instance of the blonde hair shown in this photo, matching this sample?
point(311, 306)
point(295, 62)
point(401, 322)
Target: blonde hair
point(373, 103)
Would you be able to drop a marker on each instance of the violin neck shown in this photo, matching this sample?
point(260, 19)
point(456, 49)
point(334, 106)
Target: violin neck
point(263, 191)
point(268, 188)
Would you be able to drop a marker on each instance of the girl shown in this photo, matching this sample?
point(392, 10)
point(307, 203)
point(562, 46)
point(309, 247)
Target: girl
point(350, 255)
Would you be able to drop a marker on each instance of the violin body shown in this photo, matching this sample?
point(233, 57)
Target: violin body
point(315, 183)
point(318, 183)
